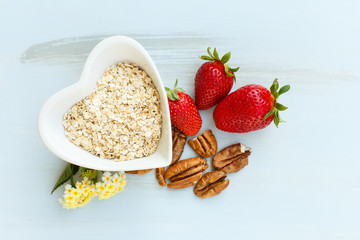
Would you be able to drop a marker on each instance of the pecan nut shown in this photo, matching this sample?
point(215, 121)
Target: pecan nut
point(232, 158)
point(211, 184)
point(140, 172)
point(186, 173)
point(205, 144)
point(160, 176)
point(178, 143)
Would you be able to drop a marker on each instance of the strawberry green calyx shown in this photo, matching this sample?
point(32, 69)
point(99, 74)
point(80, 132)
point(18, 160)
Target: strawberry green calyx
point(171, 93)
point(277, 106)
point(215, 56)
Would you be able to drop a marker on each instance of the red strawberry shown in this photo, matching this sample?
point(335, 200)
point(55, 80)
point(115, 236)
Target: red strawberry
point(183, 112)
point(213, 80)
point(250, 108)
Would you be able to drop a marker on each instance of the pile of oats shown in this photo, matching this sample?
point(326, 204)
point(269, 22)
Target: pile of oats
point(121, 119)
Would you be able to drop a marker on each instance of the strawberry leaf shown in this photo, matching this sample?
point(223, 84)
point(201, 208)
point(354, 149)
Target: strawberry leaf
point(230, 74)
point(275, 94)
point(234, 69)
point(276, 118)
point(208, 50)
point(284, 89)
point(206, 58)
point(274, 87)
point(172, 93)
point(216, 55)
point(176, 96)
point(179, 89)
point(176, 83)
point(269, 113)
point(276, 84)
point(171, 96)
point(280, 107)
point(226, 57)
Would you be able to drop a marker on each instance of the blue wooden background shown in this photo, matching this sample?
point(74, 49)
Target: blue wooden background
point(303, 179)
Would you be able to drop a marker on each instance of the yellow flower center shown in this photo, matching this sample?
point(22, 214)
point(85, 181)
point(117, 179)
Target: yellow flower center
point(110, 187)
point(69, 198)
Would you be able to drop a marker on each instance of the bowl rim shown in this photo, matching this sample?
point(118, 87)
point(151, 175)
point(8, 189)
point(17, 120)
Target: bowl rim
point(82, 81)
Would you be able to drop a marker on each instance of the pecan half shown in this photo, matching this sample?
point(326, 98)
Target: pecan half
point(140, 172)
point(211, 184)
point(205, 144)
point(186, 182)
point(232, 158)
point(160, 176)
point(178, 143)
point(186, 172)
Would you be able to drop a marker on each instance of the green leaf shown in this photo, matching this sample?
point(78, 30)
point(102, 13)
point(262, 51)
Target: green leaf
point(230, 74)
point(206, 58)
point(167, 89)
point(172, 93)
point(276, 84)
point(280, 107)
point(75, 169)
point(275, 94)
point(276, 118)
point(72, 181)
point(95, 180)
point(269, 114)
point(226, 57)
point(176, 96)
point(208, 50)
point(227, 71)
point(176, 83)
point(69, 171)
point(216, 55)
point(284, 89)
point(234, 69)
point(274, 87)
point(179, 89)
point(171, 96)
point(276, 121)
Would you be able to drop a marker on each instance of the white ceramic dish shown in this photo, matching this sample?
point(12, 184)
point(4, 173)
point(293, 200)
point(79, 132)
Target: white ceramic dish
point(108, 52)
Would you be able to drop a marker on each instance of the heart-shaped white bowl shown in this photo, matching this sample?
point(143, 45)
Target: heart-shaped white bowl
point(108, 52)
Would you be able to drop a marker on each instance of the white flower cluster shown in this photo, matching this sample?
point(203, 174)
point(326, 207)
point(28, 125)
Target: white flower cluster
point(86, 190)
point(110, 185)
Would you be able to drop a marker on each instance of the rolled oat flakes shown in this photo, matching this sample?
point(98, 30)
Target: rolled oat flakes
point(121, 119)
